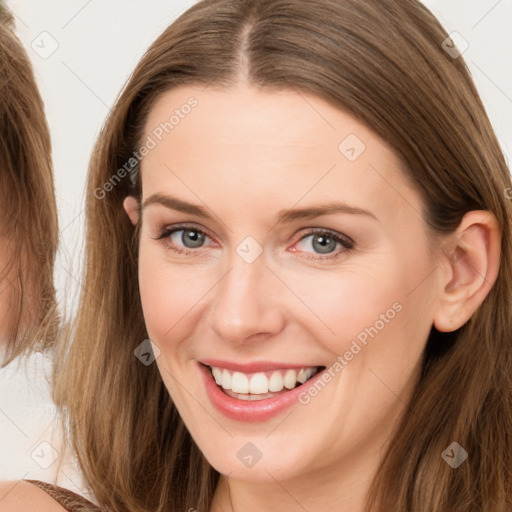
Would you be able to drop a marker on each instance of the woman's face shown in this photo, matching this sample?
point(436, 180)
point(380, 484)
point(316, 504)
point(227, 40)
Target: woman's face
point(279, 234)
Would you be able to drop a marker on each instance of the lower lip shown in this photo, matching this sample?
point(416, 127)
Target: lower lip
point(245, 410)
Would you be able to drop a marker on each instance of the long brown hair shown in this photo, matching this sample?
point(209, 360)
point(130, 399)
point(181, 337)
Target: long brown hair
point(382, 61)
point(28, 213)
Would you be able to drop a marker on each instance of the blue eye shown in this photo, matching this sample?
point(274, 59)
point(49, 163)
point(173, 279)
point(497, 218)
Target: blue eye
point(188, 237)
point(325, 243)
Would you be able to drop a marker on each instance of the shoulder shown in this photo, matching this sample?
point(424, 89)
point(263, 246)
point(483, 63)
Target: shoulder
point(22, 496)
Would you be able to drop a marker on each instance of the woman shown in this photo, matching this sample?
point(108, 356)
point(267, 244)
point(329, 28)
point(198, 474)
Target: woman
point(303, 206)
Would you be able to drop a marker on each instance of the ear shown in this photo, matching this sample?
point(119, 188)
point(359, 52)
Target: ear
point(131, 207)
point(471, 261)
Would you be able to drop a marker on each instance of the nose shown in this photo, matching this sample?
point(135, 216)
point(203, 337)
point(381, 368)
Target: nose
point(245, 304)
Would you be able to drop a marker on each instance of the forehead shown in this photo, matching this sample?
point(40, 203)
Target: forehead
point(268, 148)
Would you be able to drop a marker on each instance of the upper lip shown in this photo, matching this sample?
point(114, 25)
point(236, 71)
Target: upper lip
point(254, 366)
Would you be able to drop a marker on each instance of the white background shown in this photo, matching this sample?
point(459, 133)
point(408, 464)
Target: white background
point(101, 41)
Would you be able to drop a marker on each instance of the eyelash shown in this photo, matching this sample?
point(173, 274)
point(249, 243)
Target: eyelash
point(346, 242)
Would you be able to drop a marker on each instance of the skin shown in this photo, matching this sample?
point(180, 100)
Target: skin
point(21, 496)
point(246, 155)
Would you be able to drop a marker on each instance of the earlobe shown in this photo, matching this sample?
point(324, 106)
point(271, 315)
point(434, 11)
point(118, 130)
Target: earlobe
point(472, 260)
point(131, 207)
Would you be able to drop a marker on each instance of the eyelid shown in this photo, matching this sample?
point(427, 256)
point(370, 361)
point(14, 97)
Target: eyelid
point(326, 231)
point(178, 227)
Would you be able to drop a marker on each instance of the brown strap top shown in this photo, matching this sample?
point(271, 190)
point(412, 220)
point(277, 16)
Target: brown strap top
point(71, 501)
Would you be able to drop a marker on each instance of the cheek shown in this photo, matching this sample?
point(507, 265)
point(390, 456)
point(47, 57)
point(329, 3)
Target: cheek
point(382, 316)
point(352, 302)
point(170, 295)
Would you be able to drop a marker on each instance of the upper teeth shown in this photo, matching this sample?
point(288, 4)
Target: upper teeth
point(261, 382)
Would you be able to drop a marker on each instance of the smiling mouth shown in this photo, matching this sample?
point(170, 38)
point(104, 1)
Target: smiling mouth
point(261, 385)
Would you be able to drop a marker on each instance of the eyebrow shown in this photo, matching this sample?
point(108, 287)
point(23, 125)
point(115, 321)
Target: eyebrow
point(284, 216)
